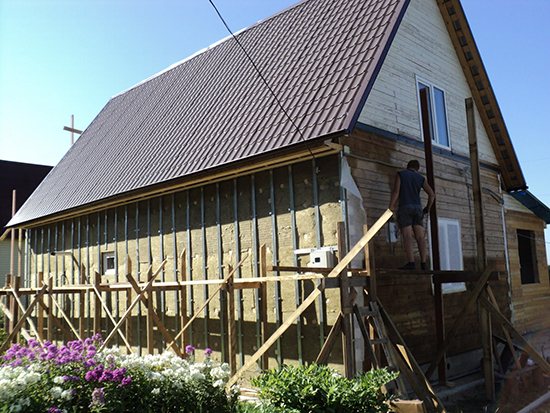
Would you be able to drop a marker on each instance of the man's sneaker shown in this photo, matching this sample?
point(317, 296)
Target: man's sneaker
point(408, 266)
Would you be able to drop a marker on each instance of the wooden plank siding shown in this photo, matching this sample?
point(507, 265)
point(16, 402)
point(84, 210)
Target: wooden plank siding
point(374, 160)
point(530, 302)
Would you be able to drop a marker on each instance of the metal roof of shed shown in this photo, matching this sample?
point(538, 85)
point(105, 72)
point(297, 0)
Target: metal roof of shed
point(320, 57)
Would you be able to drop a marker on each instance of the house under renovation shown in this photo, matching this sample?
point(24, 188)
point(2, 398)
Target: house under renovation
point(202, 173)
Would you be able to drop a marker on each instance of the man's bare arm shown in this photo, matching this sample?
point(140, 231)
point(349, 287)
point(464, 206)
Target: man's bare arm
point(395, 193)
point(431, 196)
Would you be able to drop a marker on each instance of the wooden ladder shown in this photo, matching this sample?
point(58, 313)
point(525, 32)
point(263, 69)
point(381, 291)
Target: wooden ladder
point(398, 356)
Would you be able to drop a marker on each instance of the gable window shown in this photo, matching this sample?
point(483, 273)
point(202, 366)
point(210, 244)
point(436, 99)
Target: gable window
point(527, 257)
point(437, 113)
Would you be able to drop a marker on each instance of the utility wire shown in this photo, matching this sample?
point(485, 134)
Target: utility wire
point(262, 77)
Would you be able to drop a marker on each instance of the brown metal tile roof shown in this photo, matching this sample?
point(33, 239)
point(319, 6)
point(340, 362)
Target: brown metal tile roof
point(320, 57)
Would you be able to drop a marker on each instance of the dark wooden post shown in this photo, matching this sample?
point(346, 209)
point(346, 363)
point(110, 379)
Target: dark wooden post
point(82, 303)
point(481, 258)
point(150, 325)
point(345, 305)
point(16, 285)
point(97, 304)
point(40, 308)
point(50, 329)
point(434, 230)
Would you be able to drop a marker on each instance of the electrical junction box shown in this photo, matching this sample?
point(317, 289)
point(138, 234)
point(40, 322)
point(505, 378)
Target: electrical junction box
point(321, 258)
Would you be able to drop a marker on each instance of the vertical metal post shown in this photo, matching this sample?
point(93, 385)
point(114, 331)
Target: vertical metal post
point(238, 274)
point(321, 300)
point(175, 255)
point(427, 128)
point(88, 276)
point(204, 268)
point(223, 292)
point(162, 293)
point(275, 250)
point(255, 268)
point(191, 295)
point(138, 275)
point(115, 244)
point(12, 232)
point(297, 283)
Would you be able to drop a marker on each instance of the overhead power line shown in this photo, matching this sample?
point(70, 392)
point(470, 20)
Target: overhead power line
point(262, 77)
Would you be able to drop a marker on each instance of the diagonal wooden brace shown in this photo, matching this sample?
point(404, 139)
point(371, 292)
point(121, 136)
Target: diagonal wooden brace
point(210, 298)
point(23, 318)
point(147, 301)
point(133, 304)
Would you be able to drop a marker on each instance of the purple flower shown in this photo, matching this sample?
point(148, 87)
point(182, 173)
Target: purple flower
point(98, 397)
point(189, 349)
point(126, 381)
point(54, 409)
point(207, 351)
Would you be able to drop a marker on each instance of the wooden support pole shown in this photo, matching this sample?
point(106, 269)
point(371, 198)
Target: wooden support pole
point(212, 295)
point(427, 129)
point(23, 318)
point(16, 284)
point(128, 326)
point(486, 330)
point(183, 296)
point(333, 334)
point(263, 304)
point(149, 317)
point(50, 329)
point(82, 302)
point(97, 304)
point(503, 321)
point(232, 327)
point(161, 327)
point(20, 306)
point(40, 309)
point(9, 316)
point(472, 298)
point(345, 306)
point(12, 233)
point(128, 311)
point(342, 265)
point(65, 317)
point(10, 303)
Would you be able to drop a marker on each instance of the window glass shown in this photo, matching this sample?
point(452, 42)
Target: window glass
point(437, 113)
point(527, 257)
point(440, 117)
point(450, 251)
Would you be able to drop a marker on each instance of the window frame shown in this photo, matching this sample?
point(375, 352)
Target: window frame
point(105, 256)
point(532, 238)
point(435, 138)
point(449, 288)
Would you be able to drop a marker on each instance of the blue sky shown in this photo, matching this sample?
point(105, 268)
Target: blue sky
point(65, 57)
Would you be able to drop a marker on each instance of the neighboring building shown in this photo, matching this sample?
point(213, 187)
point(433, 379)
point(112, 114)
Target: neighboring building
point(24, 178)
point(200, 161)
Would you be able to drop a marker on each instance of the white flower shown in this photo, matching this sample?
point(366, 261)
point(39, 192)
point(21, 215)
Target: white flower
point(58, 380)
point(67, 394)
point(156, 390)
point(56, 392)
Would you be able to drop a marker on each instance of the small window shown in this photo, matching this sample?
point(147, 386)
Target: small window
point(437, 115)
point(527, 257)
point(108, 263)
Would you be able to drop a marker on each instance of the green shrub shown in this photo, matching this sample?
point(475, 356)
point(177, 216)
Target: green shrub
point(317, 389)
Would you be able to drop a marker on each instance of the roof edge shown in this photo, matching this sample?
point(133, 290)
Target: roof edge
point(484, 96)
point(368, 82)
point(531, 202)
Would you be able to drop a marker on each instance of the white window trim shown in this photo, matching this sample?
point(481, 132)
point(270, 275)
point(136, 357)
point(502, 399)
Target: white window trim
point(104, 256)
point(435, 142)
point(449, 288)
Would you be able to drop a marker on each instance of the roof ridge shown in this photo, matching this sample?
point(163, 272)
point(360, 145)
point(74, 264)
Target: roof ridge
point(210, 47)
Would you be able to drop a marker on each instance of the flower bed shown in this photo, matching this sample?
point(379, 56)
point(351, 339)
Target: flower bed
point(75, 377)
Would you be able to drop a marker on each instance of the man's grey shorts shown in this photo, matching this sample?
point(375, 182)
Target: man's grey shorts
point(409, 215)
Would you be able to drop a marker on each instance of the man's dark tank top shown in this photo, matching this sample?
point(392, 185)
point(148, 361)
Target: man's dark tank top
point(409, 190)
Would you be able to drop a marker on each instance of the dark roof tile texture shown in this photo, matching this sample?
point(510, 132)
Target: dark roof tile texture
point(212, 109)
